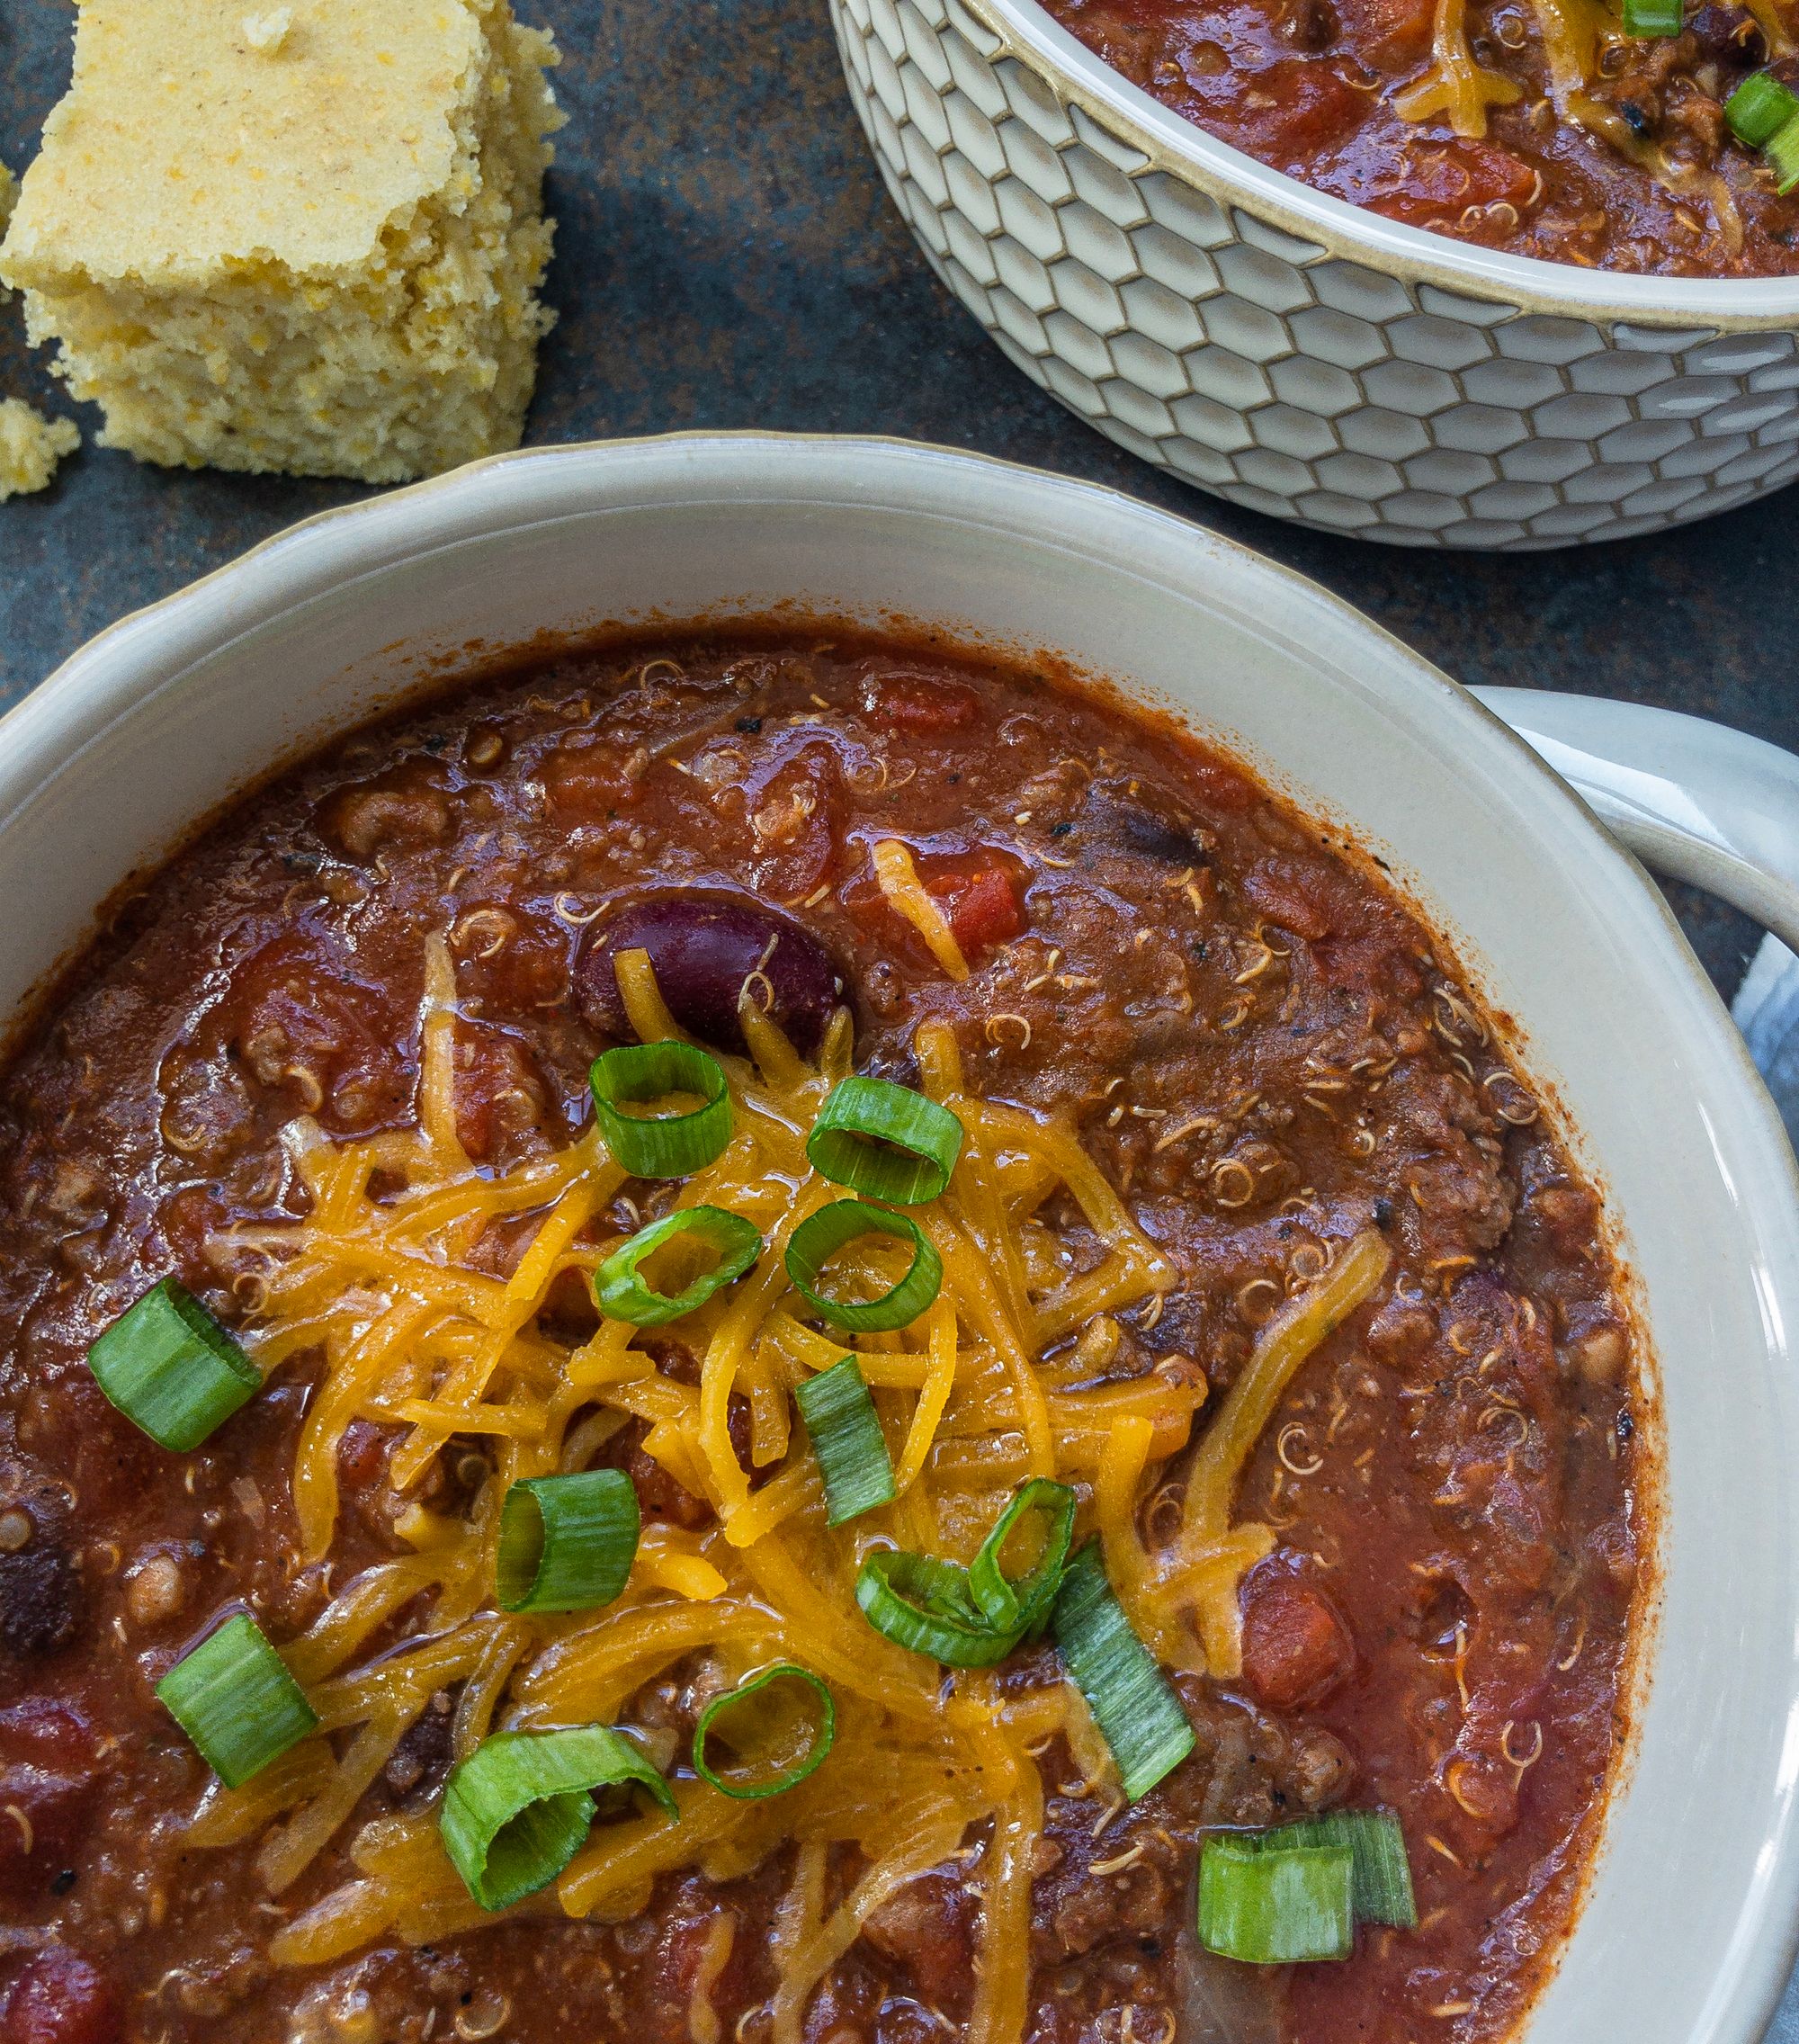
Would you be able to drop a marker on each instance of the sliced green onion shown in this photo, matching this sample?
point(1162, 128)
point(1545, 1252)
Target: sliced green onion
point(624, 1295)
point(847, 1439)
point(1277, 1908)
point(1129, 1696)
point(776, 1744)
point(171, 1369)
point(566, 1543)
point(661, 1146)
point(1759, 109)
point(1383, 1874)
point(1011, 1604)
point(1782, 150)
point(821, 1235)
point(234, 1697)
point(1653, 17)
point(516, 1811)
point(885, 1142)
point(920, 1602)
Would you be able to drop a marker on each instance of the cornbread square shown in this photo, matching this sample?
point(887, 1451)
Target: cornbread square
point(30, 446)
point(306, 237)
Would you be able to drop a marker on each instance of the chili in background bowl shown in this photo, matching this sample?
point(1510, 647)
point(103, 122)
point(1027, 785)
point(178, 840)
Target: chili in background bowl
point(181, 707)
point(1288, 350)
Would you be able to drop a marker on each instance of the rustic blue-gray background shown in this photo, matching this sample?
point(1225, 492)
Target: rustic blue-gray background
point(727, 257)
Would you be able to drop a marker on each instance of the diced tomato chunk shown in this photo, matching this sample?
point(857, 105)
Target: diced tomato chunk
point(925, 707)
point(1295, 1647)
point(58, 1998)
point(981, 908)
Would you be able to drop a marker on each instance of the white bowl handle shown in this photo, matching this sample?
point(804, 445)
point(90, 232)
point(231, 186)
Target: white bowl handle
point(1692, 799)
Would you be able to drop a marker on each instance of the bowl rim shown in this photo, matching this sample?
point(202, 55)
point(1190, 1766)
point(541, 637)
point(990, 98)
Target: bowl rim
point(1180, 148)
point(151, 651)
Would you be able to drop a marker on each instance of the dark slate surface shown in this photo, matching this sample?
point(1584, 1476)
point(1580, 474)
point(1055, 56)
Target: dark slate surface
point(727, 257)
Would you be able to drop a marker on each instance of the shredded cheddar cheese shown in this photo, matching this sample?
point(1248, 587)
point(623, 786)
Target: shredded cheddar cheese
point(906, 894)
point(1455, 86)
point(422, 1332)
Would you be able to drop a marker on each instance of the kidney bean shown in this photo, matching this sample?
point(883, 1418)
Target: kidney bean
point(703, 948)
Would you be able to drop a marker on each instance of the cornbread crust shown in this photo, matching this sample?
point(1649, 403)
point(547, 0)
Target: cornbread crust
point(308, 238)
point(30, 446)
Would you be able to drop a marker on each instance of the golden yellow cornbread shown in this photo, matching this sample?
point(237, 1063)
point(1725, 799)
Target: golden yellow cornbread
point(305, 237)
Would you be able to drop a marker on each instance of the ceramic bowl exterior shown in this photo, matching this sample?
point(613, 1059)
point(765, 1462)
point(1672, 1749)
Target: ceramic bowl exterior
point(1686, 1933)
point(1293, 353)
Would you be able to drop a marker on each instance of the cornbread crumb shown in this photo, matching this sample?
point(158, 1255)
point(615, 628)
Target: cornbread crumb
point(307, 239)
point(268, 31)
point(9, 195)
point(30, 446)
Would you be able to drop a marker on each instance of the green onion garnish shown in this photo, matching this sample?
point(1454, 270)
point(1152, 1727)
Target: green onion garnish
point(1277, 1908)
point(1015, 1605)
point(779, 1725)
point(1764, 114)
point(847, 1439)
point(661, 1146)
point(821, 1235)
point(1653, 17)
point(171, 1369)
point(1781, 151)
point(516, 1811)
point(885, 1142)
point(624, 1295)
point(923, 1603)
point(234, 1697)
point(566, 1543)
point(1759, 109)
point(1129, 1696)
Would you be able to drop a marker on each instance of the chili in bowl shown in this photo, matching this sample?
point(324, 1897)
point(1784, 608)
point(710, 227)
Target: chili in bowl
point(805, 1322)
point(1493, 276)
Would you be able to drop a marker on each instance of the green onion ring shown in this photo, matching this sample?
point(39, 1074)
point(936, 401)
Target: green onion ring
point(1010, 1605)
point(885, 1142)
point(1283, 1908)
point(1653, 17)
point(846, 1437)
point(1759, 109)
point(1127, 1692)
point(516, 1811)
point(821, 1235)
point(566, 1543)
point(624, 1296)
point(922, 1602)
point(171, 1368)
point(792, 1773)
point(661, 1146)
point(234, 1697)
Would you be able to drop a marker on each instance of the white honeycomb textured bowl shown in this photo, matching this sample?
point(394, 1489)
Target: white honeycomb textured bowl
point(1289, 351)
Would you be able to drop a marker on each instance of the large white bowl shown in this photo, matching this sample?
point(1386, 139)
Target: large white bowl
point(1288, 350)
point(1687, 1933)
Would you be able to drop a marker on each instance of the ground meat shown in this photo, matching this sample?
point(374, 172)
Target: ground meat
point(40, 1598)
point(415, 1769)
